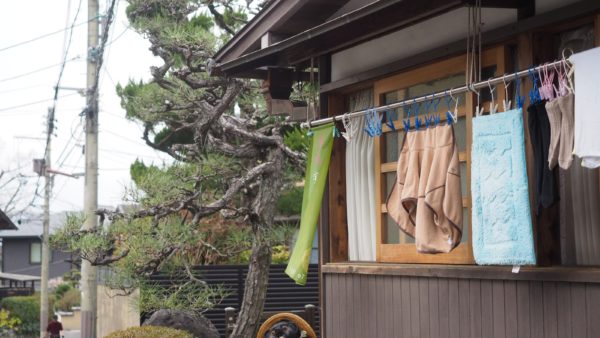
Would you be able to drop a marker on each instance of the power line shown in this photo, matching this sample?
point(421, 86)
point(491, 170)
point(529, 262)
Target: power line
point(44, 36)
point(22, 88)
point(36, 102)
point(39, 70)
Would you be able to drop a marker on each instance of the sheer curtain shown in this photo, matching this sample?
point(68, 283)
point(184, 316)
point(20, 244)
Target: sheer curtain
point(579, 187)
point(360, 184)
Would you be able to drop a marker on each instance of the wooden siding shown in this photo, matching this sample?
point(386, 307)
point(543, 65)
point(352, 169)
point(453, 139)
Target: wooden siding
point(361, 305)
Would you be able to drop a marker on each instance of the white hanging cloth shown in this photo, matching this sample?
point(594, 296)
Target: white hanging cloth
point(360, 195)
point(587, 107)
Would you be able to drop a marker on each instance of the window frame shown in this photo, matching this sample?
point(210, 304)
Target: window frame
point(31, 261)
point(406, 253)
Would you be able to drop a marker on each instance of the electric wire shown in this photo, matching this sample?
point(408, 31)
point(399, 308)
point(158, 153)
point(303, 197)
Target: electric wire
point(39, 70)
point(35, 102)
point(18, 44)
point(52, 110)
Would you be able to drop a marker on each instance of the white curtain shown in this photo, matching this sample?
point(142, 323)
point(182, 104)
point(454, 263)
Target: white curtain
point(360, 185)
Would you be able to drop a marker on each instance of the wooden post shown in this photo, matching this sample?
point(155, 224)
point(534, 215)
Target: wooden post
point(338, 227)
point(597, 35)
point(230, 318)
point(310, 311)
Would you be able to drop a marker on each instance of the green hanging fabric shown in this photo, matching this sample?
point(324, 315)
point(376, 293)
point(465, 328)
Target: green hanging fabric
point(319, 154)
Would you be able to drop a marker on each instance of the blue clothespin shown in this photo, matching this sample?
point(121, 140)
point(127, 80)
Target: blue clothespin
point(426, 115)
point(534, 94)
point(373, 123)
point(435, 118)
point(418, 121)
point(377, 123)
point(336, 132)
point(406, 122)
point(449, 117)
point(521, 99)
point(309, 133)
point(391, 116)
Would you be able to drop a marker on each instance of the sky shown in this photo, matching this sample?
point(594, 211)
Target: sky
point(22, 121)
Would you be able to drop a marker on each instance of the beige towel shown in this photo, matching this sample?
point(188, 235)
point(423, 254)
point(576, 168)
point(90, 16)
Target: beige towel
point(426, 200)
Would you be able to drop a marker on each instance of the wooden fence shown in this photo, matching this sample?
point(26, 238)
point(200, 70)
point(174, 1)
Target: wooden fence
point(282, 293)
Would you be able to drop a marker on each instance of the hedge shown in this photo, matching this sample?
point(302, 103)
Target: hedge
point(150, 332)
point(27, 309)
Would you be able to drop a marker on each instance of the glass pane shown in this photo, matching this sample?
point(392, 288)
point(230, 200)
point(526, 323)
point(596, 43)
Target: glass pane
point(487, 73)
point(460, 132)
point(392, 144)
point(35, 256)
point(463, 179)
point(465, 228)
point(394, 234)
point(390, 179)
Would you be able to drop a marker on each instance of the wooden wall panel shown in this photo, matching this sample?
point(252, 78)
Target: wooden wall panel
point(360, 305)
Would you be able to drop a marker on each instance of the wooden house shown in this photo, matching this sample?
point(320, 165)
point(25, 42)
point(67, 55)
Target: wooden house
point(370, 53)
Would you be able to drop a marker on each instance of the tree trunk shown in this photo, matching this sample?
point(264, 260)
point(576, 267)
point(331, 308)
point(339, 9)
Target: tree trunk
point(255, 289)
point(257, 279)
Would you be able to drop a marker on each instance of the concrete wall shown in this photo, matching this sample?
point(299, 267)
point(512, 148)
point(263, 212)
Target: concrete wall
point(70, 320)
point(15, 258)
point(116, 312)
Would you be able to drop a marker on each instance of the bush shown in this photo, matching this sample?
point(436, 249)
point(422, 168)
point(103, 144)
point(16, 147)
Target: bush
point(69, 299)
point(27, 309)
point(150, 332)
point(8, 323)
point(61, 289)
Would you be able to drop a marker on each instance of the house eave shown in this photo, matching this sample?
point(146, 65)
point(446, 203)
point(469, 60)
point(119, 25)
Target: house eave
point(368, 22)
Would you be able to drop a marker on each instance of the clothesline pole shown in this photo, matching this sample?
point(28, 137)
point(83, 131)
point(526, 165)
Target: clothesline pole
point(466, 88)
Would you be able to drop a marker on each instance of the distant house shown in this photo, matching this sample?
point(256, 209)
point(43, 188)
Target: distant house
point(6, 223)
point(22, 249)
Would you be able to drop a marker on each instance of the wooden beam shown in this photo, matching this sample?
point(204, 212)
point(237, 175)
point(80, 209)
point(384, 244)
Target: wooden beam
point(549, 19)
point(497, 3)
point(375, 19)
point(597, 29)
point(323, 225)
point(338, 228)
point(525, 9)
point(555, 273)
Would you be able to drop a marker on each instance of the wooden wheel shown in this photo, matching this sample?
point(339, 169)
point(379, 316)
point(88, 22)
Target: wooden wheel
point(297, 320)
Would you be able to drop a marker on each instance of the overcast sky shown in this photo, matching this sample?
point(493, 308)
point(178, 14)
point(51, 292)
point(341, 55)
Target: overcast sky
point(126, 57)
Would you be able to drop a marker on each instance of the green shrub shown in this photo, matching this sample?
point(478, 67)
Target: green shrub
point(290, 201)
point(69, 299)
point(61, 289)
point(150, 332)
point(27, 309)
point(8, 323)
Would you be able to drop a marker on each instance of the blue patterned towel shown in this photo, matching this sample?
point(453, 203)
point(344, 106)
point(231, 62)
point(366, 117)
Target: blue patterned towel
point(502, 230)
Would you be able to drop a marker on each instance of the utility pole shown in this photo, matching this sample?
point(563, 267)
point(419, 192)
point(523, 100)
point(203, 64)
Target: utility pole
point(46, 226)
point(90, 198)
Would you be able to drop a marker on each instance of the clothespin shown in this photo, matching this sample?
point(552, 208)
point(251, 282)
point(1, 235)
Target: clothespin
point(534, 94)
point(418, 121)
point(478, 108)
point(336, 132)
point(373, 122)
point(427, 106)
point(406, 122)
point(493, 104)
point(520, 98)
point(350, 129)
point(435, 118)
point(391, 116)
point(506, 102)
point(309, 133)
